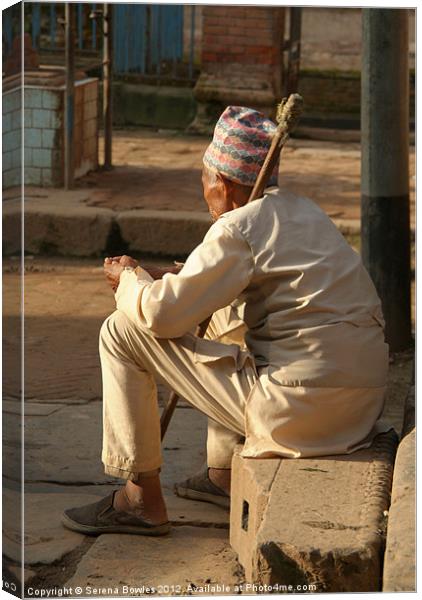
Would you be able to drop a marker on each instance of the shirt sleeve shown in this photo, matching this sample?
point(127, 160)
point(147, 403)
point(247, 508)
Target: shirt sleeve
point(215, 273)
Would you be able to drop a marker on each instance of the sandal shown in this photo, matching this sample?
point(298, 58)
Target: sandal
point(101, 517)
point(200, 487)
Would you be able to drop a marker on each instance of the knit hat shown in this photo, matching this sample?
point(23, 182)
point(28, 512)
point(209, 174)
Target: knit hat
point(242, 138)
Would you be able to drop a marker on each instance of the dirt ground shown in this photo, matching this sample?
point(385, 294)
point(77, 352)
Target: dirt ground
point(162, 170)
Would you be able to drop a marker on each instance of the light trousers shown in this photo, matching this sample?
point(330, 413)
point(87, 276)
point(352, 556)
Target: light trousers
point(213, 374)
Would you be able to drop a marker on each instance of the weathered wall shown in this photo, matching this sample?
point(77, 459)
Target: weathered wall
point(86, 127)
point(43, 133)
point(240, 59)
point(12, 138)
point(332, 38)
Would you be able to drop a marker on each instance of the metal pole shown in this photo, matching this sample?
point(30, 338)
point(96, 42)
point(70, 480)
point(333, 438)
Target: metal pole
point(69, 97)
point(385, 220)
point(107, 85)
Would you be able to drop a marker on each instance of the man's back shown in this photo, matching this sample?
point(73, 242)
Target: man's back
point(310, 306)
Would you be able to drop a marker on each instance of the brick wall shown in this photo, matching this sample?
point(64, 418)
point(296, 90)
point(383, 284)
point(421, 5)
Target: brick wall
point(241, 59)
point(248, 37)
point(12, 138)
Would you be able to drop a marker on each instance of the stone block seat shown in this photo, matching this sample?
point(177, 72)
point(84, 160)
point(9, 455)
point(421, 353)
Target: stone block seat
point(314, 524)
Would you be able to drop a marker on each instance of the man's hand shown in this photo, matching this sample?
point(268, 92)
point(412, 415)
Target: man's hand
point(112, 270)
point(125, 261)
point(114, 266)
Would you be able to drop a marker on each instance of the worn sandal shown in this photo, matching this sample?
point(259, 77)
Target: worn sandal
point(200, 487)
point(101, 517)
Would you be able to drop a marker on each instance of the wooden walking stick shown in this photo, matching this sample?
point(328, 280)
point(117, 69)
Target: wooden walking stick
point(288, 114)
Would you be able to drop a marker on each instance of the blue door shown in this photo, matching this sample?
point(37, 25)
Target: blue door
point(148, 39)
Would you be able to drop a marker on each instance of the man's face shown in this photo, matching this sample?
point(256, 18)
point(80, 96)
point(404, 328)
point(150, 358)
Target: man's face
point(215, 194)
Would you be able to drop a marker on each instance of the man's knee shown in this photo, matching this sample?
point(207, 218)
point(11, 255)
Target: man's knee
point(114, 327)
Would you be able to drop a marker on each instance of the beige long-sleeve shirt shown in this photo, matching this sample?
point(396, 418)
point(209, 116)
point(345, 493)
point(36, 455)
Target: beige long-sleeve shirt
point(313, 315)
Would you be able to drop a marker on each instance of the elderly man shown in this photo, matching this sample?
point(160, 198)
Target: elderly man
point(310, 378)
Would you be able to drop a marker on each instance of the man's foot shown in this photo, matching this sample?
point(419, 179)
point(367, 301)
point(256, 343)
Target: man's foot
point(200, 487)
point(101, 517)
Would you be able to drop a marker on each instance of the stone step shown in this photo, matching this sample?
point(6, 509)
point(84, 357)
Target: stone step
point(316, 524)
point(400, 555)
point(65, 226)
point(400, 552)
point(189, 561)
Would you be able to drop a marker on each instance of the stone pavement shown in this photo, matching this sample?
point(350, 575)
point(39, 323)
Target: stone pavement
point(63, 444)
point(66, 302)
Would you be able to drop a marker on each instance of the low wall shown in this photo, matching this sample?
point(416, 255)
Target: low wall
point(43, 121)
point(12, 138)
point(332, 99)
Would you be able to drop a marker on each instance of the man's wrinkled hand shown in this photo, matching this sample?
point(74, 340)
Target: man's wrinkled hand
point(125, 261)
point(112, 270)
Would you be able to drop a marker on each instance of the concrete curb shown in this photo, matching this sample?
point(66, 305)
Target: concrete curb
point(68, 227)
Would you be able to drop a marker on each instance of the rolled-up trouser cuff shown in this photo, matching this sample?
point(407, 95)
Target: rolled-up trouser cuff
point(219, 463)
point(129, 475)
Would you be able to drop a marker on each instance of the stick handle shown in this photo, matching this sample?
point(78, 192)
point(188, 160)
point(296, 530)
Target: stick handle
point(288, 115)
point(279, 139)
point(167, 413)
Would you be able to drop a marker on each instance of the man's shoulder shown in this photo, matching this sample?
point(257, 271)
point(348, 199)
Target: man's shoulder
point(274, 201)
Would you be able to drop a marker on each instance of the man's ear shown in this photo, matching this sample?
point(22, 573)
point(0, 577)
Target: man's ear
point(226, 186)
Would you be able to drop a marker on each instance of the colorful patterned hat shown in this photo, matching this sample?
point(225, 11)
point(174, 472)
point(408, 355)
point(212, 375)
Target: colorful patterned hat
point(242, 138)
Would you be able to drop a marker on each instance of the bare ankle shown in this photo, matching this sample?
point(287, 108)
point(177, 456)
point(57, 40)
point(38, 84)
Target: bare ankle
point(122, 502)
point(145, 495)
point(221, 478)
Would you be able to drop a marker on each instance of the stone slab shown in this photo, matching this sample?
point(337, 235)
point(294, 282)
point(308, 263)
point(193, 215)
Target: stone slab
point(80, 233)
point(324, 522)
point(45, 539)
point(60, 225)
point(188, 557)
point(33, 409)
point(65, 446)
point(180, 510)
point(171, 233)
point(68, 226)
point(250, 489)
point(409, 414)
point(400, 554)
point(22, 575)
